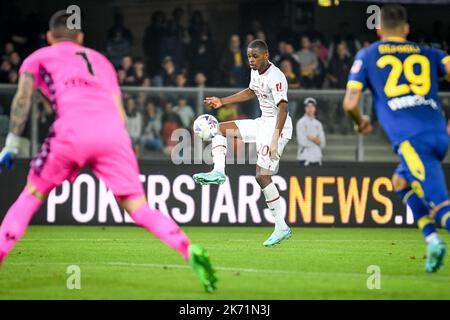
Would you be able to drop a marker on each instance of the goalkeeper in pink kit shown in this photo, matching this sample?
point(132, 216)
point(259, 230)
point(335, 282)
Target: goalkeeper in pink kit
point(89, 130)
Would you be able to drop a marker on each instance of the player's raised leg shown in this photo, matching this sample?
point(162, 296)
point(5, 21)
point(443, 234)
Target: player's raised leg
point(272, 196)
point(219, 152)
point(18, 217)
point(49, 169)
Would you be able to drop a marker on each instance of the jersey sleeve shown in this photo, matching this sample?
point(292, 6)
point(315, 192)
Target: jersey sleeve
point(113, 81)
point(279, 87)
point(357, 78)
point(31, 65)
point(442, 59)
point(250, 85)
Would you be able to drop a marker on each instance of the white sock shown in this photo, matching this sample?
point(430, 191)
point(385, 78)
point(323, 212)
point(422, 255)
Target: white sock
point(273, 202)
point(219, 151)
point(431, 237)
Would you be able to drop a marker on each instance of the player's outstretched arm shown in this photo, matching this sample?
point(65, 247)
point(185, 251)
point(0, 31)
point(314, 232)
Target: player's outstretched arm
point(351, 106)
point(20, 108)
point(21, 104)
point(241, 96)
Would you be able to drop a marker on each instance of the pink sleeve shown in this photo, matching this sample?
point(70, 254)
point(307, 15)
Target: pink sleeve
point(31, 65)
point(112, 78)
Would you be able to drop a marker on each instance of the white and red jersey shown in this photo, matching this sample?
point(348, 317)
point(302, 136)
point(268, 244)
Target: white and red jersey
point(270, 87)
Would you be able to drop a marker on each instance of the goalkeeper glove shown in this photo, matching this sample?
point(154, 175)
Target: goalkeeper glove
point(10, 151)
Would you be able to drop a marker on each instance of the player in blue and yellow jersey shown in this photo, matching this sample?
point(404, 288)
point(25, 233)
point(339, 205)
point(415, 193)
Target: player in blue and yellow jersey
point(403, 78)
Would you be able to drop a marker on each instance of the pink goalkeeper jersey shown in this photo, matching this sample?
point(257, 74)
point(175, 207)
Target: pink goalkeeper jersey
point(79, 82)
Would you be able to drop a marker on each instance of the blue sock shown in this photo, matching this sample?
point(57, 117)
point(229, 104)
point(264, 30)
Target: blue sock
point(443, 216)
point(420, 211)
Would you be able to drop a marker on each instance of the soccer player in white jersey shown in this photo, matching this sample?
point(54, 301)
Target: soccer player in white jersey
point(271, 132)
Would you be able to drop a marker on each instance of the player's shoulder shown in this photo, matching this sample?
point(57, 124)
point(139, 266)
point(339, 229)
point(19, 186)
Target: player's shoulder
point(275, 73)
point(39, 54)
point(430, 51)
point(364, 53)
point(96, 54)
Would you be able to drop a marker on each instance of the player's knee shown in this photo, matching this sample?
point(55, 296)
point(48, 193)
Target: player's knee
point(263, 180)
point(36, 193)
point(221, 130)
point(132, 204)
point(399, 183)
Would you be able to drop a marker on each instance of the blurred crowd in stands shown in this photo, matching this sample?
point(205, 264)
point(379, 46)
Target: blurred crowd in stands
point(179, 55)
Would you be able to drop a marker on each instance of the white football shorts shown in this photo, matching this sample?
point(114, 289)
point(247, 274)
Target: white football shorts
point(260, 131)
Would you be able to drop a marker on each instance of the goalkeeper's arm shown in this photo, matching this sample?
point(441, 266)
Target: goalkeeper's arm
point(20, 109)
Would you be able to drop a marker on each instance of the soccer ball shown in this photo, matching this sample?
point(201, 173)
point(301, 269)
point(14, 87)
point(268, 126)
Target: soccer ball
point(206, 126)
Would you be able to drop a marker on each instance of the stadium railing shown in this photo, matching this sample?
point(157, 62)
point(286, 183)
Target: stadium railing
point(342, 144)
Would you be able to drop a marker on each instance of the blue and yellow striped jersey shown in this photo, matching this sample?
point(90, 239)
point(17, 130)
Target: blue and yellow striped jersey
point(403, 78)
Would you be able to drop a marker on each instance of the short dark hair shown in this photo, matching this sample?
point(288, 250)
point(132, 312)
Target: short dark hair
point(393, 16)
point(258, 44)
point(58, 25)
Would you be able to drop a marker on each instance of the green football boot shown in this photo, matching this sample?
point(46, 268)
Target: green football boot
point(212, 177)
point(199, 260)
point(436, 251)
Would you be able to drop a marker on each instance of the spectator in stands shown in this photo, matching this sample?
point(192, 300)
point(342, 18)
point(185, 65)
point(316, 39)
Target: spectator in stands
point(151, 42)
point(339, 67)
point(181, 80)
point(233, 64)
point(167, 76)
point(170, 122)
point(321, 65)
point(147, 82)
point(286, 52)
point(13, 76)
point(293, 83)
point(261, 35)
point(172, 45)
point(185, 112)
point(249, 37)
point(288, 71)
point(15, 60)
point(126, 64)
point(141, 101)
point(151, 136)
point(121, 76)
point(320, 50)
point(119, 41)
point(178, 18)
point(308, 63)
point(133, 123)
point(197, 23)
point(201, 52)
point(310, 136)
point(139, 73)
point(8, 49)
point(5, 69)
point(280, 53)
point(200, 80)
point(345, 34)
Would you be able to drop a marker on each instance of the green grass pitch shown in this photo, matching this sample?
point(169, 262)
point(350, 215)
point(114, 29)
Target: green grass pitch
point(128, 263)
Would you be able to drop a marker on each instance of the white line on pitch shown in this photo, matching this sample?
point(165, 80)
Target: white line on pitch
point(231, 269)
point(229, 240)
